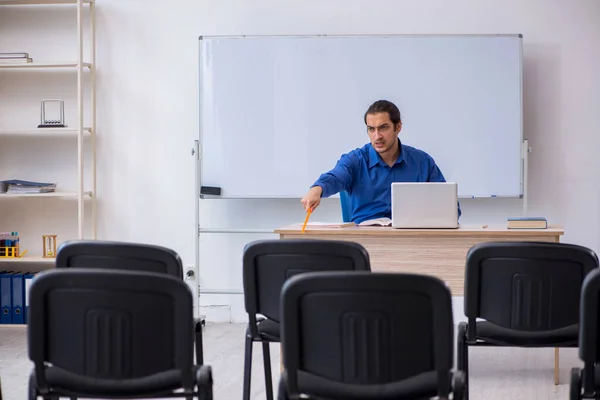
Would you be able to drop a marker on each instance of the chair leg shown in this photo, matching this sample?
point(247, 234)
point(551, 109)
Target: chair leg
point(575, 384)
point(462, 358)
point(282, 389)
point(281, 367)
point(32, 393)
point(556, 366)
point(267, 367)
point(247, 367)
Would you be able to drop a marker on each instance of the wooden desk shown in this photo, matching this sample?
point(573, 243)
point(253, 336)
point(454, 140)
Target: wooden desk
point(438, 252)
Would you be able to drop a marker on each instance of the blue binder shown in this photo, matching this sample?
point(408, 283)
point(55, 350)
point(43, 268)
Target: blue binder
point(18, 298)
point(5, 297)
point(27, 279)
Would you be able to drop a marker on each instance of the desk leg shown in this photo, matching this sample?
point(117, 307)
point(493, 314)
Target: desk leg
point(280, 359)
point(556, 365)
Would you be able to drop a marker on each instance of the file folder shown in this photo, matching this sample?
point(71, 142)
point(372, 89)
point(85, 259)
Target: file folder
point(18, 298)
point(28, 278)
point(5, 297)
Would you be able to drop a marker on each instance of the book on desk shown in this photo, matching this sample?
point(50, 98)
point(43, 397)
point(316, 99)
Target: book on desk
point(377, 222)
point(527, 223)
point(329, 224)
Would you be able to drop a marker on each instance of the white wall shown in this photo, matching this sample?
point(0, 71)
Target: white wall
point(148, 101)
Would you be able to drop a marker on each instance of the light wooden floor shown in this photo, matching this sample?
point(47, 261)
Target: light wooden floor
point(496, 374)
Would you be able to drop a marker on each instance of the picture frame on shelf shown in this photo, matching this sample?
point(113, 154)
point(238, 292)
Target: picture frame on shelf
point(52, 114)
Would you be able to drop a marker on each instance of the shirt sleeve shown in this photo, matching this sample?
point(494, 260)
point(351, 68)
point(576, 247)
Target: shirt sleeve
point(340, 177)
point(435, 175)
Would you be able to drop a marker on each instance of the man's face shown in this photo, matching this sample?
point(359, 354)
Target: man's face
point(382, 132)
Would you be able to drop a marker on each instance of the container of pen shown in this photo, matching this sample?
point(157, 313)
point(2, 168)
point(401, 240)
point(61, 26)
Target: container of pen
point(9, 245)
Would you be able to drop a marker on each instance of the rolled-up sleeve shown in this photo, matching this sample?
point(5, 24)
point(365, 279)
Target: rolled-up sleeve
point(340, 177)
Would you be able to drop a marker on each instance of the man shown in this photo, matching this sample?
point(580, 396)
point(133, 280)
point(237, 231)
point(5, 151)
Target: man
point(368, 172)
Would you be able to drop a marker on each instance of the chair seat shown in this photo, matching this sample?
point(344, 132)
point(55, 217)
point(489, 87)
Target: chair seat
point(68, 383)
point(498, 335)
point(269, 330)
point(421, 386)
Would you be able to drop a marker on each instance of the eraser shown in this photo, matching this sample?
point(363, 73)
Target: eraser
point(211, 190)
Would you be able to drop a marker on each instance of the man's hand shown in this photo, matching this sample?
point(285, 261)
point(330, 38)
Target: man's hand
point(312, 199)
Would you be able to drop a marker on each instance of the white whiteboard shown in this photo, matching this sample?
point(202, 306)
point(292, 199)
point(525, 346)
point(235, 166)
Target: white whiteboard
point(277, 111)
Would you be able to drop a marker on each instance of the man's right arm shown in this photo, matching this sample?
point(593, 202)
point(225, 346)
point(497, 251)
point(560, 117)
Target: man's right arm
point(340, 177)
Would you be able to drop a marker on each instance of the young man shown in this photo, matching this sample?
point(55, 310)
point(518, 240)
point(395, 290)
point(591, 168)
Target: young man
point(367, 173)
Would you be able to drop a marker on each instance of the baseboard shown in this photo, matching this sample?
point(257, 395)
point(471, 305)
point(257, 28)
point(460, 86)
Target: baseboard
point(235, 312)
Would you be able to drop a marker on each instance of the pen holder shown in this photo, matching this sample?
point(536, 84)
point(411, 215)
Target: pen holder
point(11, 252)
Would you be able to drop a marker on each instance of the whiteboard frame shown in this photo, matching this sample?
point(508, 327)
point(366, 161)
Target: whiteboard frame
point(199, 171)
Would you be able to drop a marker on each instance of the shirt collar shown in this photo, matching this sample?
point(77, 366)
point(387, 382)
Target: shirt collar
point(375, 159)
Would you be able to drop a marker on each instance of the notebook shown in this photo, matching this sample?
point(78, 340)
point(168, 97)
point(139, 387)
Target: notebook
point(330, 224)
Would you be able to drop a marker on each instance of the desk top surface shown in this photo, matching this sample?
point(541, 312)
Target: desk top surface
point(463, 230)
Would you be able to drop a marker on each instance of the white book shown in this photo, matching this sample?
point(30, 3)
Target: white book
point(377, 222)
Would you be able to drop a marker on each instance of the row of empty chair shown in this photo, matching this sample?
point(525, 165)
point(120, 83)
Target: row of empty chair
point(115, 320)
point(385, 341)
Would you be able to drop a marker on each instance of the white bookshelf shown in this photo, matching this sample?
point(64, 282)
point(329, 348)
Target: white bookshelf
point(72, 65)
point(84, 132)
point(27, 259)
point(45, 132)
point(41, 2)
point(67, 195)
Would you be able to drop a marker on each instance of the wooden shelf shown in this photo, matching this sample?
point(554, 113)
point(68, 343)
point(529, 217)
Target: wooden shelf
point(68, 195)
point(44, 132)
point(40, 2)
point(28, 259)
point(34, 65)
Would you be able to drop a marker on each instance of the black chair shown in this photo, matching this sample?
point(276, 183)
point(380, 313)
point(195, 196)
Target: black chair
point(98, 333)
point(585, 383)
point(367, 336)
point(267, 265)
point(126, 256)
point(527, 295)
point(119, 255)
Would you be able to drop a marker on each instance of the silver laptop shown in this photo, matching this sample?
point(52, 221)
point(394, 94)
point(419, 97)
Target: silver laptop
point(424, 205)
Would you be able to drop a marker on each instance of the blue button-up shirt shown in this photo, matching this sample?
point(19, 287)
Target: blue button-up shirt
point(368, 179)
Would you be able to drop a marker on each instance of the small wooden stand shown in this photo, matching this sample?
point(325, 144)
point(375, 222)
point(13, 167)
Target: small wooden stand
point(49, 246)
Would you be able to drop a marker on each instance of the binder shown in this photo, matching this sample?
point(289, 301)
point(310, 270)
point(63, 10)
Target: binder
point(28, 278)
point(5, 297)
point(18, 298)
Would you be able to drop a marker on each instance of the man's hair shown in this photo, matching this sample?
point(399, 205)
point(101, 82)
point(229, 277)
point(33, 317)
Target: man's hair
point(384, 106)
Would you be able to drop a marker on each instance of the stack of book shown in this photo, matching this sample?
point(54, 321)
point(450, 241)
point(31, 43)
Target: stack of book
point(15, 58)
point(27, 187)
